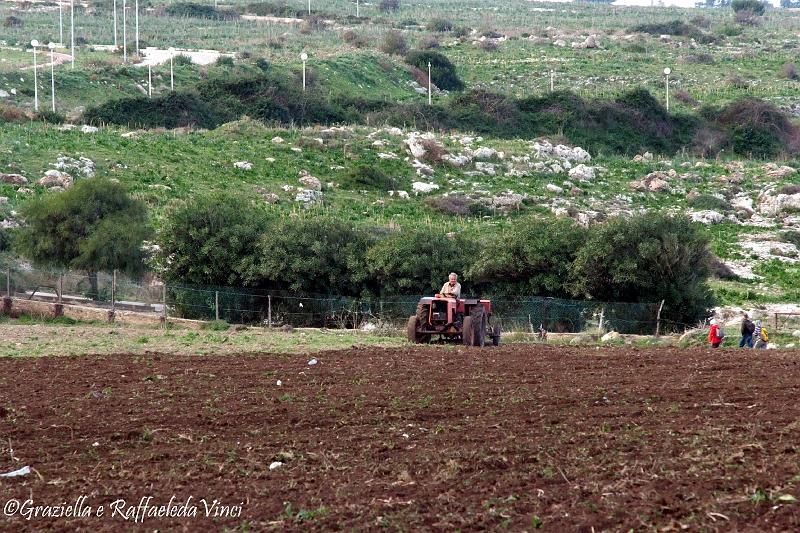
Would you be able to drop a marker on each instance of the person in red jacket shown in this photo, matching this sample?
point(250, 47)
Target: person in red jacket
point(715, 335)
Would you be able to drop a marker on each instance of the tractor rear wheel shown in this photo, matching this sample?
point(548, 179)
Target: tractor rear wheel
point(478, 325)
point(467, 331)
point(411, 330)
point(496, 335)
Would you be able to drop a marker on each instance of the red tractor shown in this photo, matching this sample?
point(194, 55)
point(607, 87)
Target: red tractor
point(466, 321)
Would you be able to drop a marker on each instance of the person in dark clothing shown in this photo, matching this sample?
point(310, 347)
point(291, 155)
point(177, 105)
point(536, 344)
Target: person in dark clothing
point(747, 332)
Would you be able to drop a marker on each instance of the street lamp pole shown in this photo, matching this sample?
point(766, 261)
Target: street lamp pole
point(137, 27)
point(60, 23)
point(115, 25)
point(124, 31)
point(429, 84)
point(72, 30)
point(304, 58)
point(171, 69)
point(52, 47)
point(34, 44)
point(667, 72)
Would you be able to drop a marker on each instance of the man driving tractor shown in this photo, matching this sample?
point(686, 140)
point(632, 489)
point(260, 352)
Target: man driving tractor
point(452, 288)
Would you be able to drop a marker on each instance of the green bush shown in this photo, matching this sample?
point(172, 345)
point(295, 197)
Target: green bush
point(266, 96)
point(173, 110)
point(709, 201)
point(678, 28)
point(362, 177)
point(263, 64)
point(6, 239)
point(443, 72)
point(483, 111)
point(224, 61)
point(647, 258)
point(265, 9)
point(792, 237)
point(758, 128)
point(533, 257)
point(417, 261)
point(440, 25)
point(461, 31)
point(309, 256)
point(190, 9)
point(51, 117)
point(729, 30)
point(181, 60)
point(394, 44)
point(754, 6)
point(204, 241)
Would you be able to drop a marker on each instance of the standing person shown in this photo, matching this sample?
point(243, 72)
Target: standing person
point(452, 288)
point(716, 334)
point(747, 332)
point(761, 336)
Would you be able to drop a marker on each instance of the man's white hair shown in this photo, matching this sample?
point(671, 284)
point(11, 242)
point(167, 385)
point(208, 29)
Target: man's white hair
point(452, 274)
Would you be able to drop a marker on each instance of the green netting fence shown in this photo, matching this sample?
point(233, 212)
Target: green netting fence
point(276, 308)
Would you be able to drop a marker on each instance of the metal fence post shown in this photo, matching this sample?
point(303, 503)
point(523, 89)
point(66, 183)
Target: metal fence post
point(164, 302)
point(269, 311)
point(60, 286)
point(602, 318)
point(113, 289)
point(216, 304)
point(8, 282)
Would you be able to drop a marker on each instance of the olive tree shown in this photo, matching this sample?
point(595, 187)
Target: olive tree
point(95, 226)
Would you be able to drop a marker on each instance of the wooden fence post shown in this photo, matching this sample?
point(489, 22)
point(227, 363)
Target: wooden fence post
point(658, 319)
point(216, 304)
point(164, 302)
point(269, 311)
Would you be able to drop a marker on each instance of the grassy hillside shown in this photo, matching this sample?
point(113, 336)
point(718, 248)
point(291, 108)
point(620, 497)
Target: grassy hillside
point(508, 48)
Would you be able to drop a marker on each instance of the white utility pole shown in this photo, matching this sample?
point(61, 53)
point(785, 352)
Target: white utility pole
point(52, 47)
point(150, 80)
point(429, 84)
point(171, 69)
point(124, 32)
point(72, 30)
point(304, 58)
point(34, 44)
point(60, 23)
point(137, 27)
point(115, 25)
point(667, 72)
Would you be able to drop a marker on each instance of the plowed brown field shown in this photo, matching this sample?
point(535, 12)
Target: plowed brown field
point(518, 437)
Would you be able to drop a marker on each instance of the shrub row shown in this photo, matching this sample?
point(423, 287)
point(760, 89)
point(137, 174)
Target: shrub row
point(226, 241)
point(633, 122)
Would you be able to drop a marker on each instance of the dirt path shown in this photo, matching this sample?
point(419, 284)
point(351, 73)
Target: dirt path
point(520, 437)
point(58, 59)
